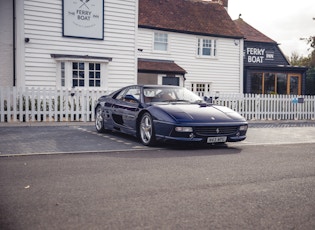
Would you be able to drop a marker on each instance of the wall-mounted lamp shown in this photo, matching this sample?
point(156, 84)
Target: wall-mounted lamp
point(72, 92)
point(27, 40)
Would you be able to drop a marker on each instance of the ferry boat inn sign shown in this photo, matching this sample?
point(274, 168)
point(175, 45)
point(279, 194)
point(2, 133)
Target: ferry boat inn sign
point(83, 18)
point(258, 55)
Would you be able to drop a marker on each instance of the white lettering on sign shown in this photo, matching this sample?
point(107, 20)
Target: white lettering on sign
point(255, 59)
point(270, 55)
point(255, 55)
point(255, 51)
point(258, 55)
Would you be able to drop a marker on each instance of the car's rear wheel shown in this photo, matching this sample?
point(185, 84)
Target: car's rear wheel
point(99, 120)
point(146, 130)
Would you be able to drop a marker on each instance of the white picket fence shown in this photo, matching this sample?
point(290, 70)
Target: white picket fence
point(270, 107)
point(58, 105)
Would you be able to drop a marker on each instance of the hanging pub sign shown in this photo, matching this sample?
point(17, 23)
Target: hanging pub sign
point(83, 18)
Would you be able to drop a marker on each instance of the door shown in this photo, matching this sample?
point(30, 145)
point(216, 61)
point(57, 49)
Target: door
point(126, 108)
point(294, 84)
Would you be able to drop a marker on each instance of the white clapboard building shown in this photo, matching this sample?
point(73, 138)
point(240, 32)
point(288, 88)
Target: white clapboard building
point(107, 44)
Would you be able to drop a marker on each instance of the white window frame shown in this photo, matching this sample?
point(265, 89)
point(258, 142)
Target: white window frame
point(201, 88)
point(160, 79)
point(69, 77)
point(210, 43)
point(157, 35)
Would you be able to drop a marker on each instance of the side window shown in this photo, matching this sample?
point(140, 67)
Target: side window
point(131, 95)
point(121, 95)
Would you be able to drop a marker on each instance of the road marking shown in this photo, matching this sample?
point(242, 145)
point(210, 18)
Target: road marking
point(104, 136)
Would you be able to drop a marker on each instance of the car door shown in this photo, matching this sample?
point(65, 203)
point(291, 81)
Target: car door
point(126, 109)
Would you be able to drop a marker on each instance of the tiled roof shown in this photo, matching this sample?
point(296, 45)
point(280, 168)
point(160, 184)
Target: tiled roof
point(159, 66)
point(250, 33)
point(187, 16)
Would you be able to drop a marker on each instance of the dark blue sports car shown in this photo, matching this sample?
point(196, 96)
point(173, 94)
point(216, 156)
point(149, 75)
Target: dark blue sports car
point(169, 113)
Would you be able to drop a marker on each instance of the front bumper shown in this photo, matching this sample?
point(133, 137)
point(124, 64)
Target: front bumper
point(198, 139)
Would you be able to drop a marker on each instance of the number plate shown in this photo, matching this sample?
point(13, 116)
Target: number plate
point(216, 139)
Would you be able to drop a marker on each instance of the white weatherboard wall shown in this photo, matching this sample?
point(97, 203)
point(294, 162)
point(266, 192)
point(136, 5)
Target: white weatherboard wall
point(6, 43)
point(42, 23)
point(224, 71)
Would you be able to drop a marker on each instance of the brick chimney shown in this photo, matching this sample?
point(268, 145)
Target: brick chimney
point(222, 2)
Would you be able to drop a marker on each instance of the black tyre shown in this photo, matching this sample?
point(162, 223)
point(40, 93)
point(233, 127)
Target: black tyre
point(146, 130)
point(99, 120)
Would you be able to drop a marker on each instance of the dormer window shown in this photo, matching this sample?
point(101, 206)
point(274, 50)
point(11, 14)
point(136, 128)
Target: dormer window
point(207, 47)
point(160, 41)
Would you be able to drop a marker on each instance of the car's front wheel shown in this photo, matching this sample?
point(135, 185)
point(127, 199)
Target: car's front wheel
point(99, 120)
point(146, 130)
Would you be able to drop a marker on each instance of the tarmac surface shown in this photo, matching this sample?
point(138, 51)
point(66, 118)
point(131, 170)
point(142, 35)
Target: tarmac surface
point(80, 137)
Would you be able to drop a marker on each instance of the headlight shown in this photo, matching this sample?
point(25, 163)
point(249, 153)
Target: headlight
point(183, 129)
point(243, 127)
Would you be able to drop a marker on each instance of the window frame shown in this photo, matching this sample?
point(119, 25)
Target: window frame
point(197, 86)
point(212, 46)
point(64, 67)
point(160, 42)
point(277, 75)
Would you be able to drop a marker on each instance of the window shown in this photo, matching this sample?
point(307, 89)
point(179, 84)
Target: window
point(201, 89)
point(78, 74)
point(275, 83)
point(160, 41)
point(269, 83)
point(63, 74)
point(81, 70)
point(207, 47)
point(281, 83)
point(133, 94)
point(94, 74)
point(256, 81)
point(81, 74)
point(170, 80)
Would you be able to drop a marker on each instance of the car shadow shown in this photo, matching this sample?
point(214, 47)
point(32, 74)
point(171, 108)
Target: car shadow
point(171, 149)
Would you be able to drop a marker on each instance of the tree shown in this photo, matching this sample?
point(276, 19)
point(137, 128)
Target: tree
point(297, 60)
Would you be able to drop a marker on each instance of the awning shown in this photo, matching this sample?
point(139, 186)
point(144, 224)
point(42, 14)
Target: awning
point(159, 66)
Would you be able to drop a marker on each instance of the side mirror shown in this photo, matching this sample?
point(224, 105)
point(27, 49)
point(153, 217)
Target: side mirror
point(210, 99)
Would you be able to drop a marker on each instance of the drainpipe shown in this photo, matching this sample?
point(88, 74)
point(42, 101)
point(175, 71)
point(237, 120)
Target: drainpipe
point(14, 45)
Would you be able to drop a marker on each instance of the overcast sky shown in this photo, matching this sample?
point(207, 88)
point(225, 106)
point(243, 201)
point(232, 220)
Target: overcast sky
point(284, 21)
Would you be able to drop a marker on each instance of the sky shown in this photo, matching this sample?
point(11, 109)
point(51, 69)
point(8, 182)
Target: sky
point(284, 21)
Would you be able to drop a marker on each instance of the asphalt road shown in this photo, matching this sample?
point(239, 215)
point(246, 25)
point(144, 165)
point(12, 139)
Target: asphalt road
point(246, 187)
point(49, 138)
point(70, 177)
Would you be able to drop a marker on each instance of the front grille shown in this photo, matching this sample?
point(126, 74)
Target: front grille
point(216, 130)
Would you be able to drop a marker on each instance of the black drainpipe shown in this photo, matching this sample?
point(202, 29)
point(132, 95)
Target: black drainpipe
point(14, 21)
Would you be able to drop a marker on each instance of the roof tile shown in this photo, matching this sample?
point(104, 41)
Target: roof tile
point(161, 66)
point(250, 33)
point(187, 16)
